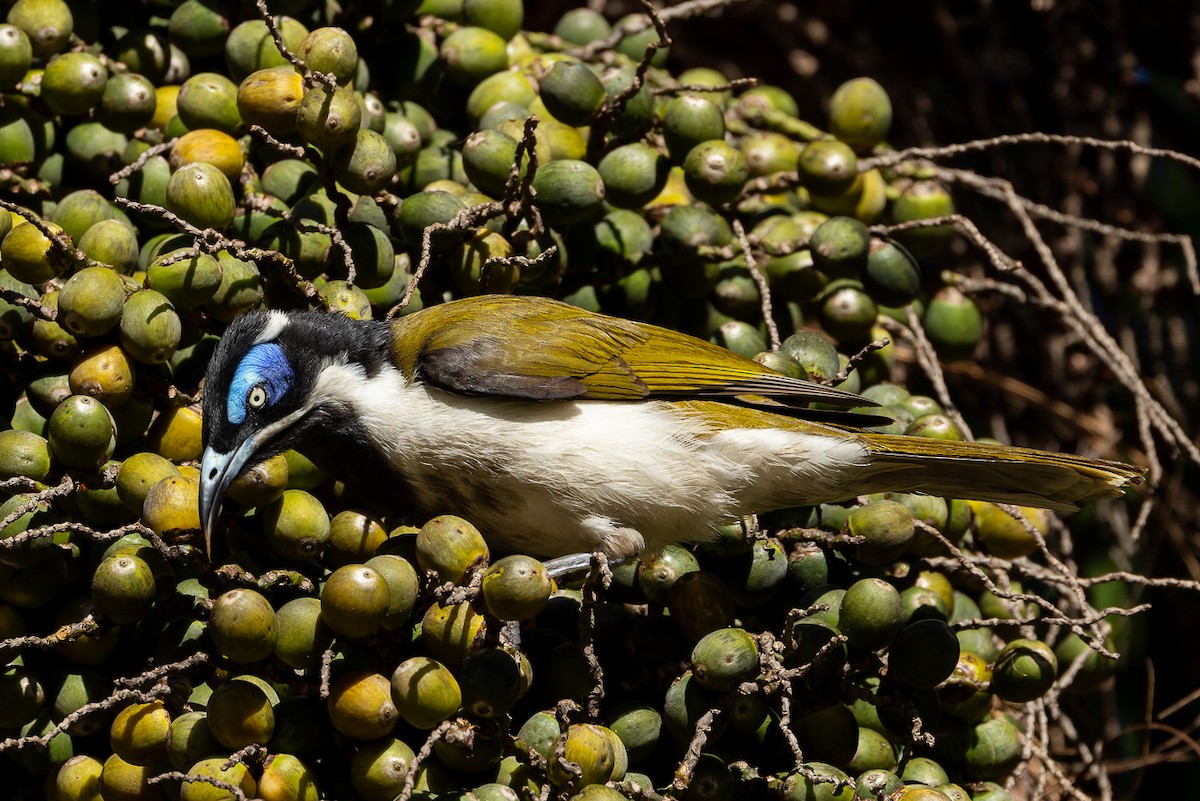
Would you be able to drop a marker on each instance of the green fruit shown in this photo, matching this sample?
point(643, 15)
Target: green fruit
point(425, 209)
point(847, 313)
point(243, 626)
point(354, 537)
point(263, 483)
point(755, 575)
point(82, 433)
point(923, 654)
point(923, 770)
point(503, 17)
point(425, 692)
point(105, 373)
point(799, 787)
point(285, 778)
point(201, 194)
point(18, 143)
point(144, 51)
point(184, 278)
point(1024, 671)
point(138, 474)
point(659, 571)
point(366, 165)
point(471, 54)
point(580, 26)
point(329, 120)
point(995, 749)
point(516, 588)
point(250, 47)
point(127, 103)
point(73, 83)
point(123, 589)
point(303, 635)
point(488, 157)
point(113, 243)
point(1095, 670)
point(403, 587)
point(209, 100)
point(768, 153)
point(871, 613)
point(270, 98)
point(240, 713)
point(827, 167)
point(725, 658)
point(690, 120)
point(378, 769)
point(875, 784)
point(403, 137)
point(150, 327)
point(235, 775)
point(490, 680)
point(450, 631)
point(568, 192)
point(638, 114)
point(95, 151)
point(685, 703)
point(886, 528)
point(571, 92)
point(360, 706)
point(588, 747)
point(953, 323)
point(16, 55)
point(860, 113)
point(815, 353)
point(715, 172)
point(171, 505)
point(82, 209)
point(29, 256)
point(23, 454)
point(296, 525)
point(330, 50)
point(354, 601)
point(139, 733)
point(827, 732)
point(449, 545)
point(199, 28)
point(636, 45)
point(874, 752)
point(633, 175)
point(892, 276)
point(91, 302)
point(14, 320)
point(839, 247)
point(48, 24)
point(924, 200)
point(480, 266)
point(77, 778)
point(190, 739)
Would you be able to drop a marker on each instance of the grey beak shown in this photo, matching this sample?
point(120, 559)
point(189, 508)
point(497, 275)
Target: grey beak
point(217, 472)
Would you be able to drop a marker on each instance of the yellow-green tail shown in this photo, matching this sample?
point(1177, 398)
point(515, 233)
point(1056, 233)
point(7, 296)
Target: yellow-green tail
point(995, 473)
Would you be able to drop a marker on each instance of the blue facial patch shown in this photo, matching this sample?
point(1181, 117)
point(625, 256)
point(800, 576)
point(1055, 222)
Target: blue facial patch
point(264, 364)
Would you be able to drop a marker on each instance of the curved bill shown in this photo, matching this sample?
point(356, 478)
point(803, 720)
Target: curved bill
point(217, 472)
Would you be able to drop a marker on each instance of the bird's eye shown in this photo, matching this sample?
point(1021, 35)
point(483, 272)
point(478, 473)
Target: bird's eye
point(257, 397)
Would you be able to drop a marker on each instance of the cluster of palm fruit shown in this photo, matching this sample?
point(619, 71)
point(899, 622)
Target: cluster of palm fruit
point(144, 212)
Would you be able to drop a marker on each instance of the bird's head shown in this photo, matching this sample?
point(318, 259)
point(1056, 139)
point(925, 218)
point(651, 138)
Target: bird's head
point(262, 391)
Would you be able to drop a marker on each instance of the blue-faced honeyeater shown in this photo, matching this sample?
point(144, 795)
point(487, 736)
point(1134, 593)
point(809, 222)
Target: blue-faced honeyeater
point(559, 431)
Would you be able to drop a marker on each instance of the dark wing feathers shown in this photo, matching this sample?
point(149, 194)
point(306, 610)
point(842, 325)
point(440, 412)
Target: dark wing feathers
point(539, 349)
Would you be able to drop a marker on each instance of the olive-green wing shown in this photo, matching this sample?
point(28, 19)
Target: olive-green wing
point(540, 349)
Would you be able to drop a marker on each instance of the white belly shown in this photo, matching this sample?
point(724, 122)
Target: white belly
point(569, 476)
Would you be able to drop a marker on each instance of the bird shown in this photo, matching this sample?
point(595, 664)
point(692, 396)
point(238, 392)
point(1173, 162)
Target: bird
point(561, 431)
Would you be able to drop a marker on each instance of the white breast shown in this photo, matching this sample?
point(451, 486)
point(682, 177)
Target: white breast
point(566, 477)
